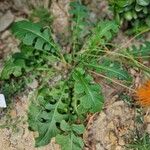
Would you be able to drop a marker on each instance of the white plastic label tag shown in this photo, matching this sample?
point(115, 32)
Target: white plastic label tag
point(2, 101)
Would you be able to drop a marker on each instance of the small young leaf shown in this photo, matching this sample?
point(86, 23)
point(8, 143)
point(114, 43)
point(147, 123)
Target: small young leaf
point(102, 33)
point(65, 126)
point(76, 128)
point(140, 53)
point(70, 142)
point(79, 129)
point(143, 2)
point(70, 139)
point(13, 67)
point(79, 25)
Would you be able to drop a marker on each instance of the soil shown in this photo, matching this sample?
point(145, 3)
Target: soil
point(111, 129)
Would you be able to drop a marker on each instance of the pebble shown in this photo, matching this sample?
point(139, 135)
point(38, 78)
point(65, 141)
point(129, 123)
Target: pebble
point(13, 113)
point(112, 137)
point(6, 20)
point(61, 21)
point(19, 4)
point(6, 50)
point(34, 84)
point(119, 148)
point(22, 5)
point(1, 14)
point(121, 142)
point(147, 118)
point(5, 35)
point(110, 125)
point(148, 129)
point(99, 147)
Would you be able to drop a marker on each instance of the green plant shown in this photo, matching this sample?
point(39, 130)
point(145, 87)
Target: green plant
point(41, 15)
point(59, 108)
point(140, 142)
point(12, 87)
point(24, 62)
point(79, 24)
point(134, 12)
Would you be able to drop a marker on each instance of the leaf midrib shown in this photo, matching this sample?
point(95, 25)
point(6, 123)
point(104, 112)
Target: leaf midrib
point(39, 35)
point(104, 68)
point(88, 92)
point(53, 117)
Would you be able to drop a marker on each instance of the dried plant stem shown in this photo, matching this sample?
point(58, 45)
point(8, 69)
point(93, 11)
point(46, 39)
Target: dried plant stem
point(103, 76)
point(125, 45)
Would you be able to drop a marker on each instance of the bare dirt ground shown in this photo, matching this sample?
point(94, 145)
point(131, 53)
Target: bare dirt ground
point(109, 130)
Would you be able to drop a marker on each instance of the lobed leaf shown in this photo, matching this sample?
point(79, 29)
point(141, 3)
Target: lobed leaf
point(34, 35)
point(112, 69)
point(139, 53)
point(70, 140)
point(87, 94)
point(13, 67)
point(47, 112)
point(102, 33)
point(22, 62)
point(79, 24)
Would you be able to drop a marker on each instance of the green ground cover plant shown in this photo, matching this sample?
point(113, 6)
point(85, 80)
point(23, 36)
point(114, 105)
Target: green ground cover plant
point(41, 15)
point(59, 109)
point(134, 13)
point(140, 142)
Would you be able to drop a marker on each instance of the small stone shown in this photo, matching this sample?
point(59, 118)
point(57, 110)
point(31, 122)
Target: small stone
point(6, 20)
point(61, 21)
point(21, 5)
point(54, 145)
point(148, 129)
point(20, 146)
point(102, 116)
point(5, 34)
point(121, 142)
point(6, 50)
point(34, 84)
point(112, 137)
point(1, 14)
point(10, 45)
point(111, 125)
point(57, 78)
point(2, 101)
point(133, 72)
point(92, 17)
point(99, 147)
point(26, 133)
point(147, 119)
point(118, 148)
point(13, 113)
